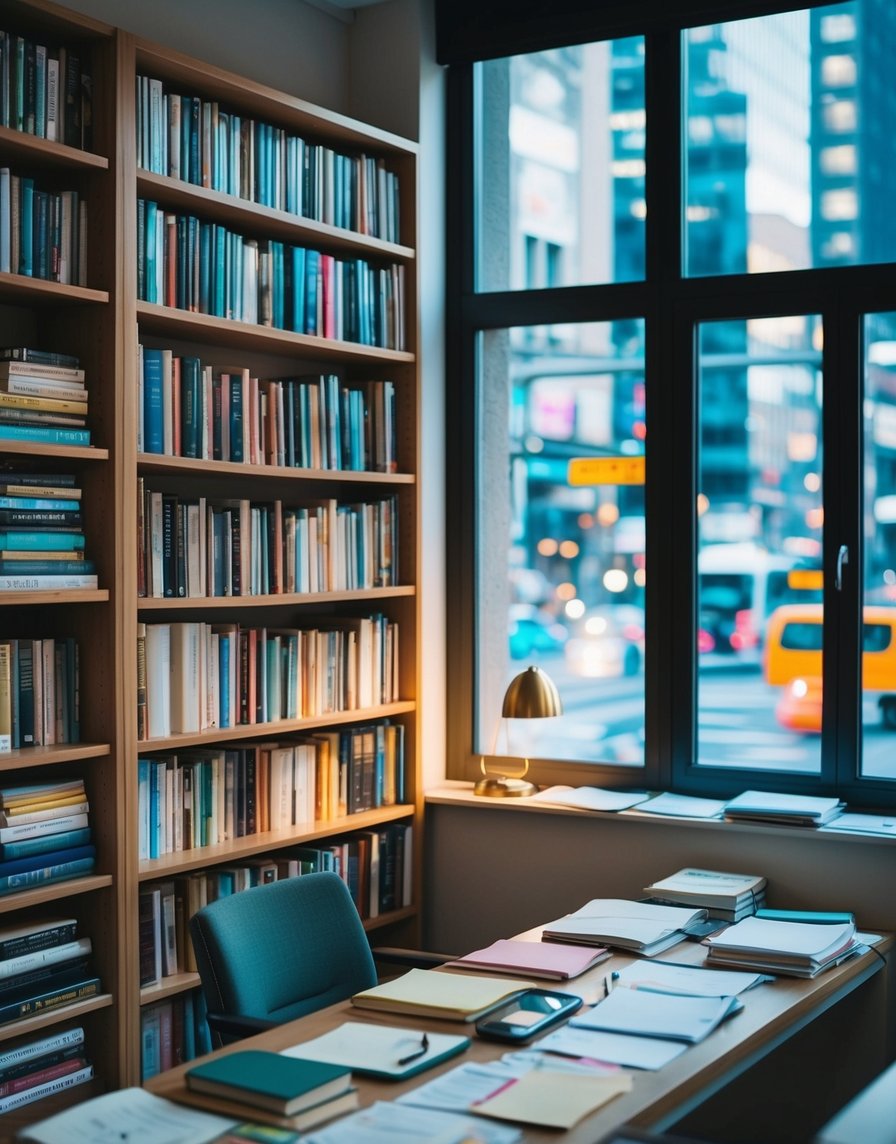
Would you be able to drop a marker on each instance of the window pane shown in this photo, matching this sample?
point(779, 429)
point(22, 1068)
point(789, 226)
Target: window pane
point(790, 155)
point(560, 537)
point(759, 529)
point(560, 167)
point(879, 635)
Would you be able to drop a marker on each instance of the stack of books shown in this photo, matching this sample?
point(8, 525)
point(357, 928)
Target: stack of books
point(42, 541)
point(644, 928)
point(43, 965)
point(782, 809)
point(728, 897)
point(796, 949)
point(302, 1093)
point(38, 1068)
point(43, 397)
point(44, 835)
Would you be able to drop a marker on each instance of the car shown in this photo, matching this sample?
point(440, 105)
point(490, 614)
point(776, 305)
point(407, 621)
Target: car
point(607, 641)
point(533, 631)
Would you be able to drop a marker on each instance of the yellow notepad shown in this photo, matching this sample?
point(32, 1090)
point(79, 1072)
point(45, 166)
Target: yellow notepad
point(552, 1099)
point(427, 993)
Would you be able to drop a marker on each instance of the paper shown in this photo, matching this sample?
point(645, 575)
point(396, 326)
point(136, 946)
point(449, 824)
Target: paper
point(617, 1048)
point(131, 1114)
point(682, 806)
point(552, 1099)
point(645, 1013)
point(589, 798)
point(629, 925)
point(799, 939)
point(392, 1123)
point(457, 1089)
point(689, 980)
point(425, 992)
point(758, 803)
point(532, 959)
point(377, 1049)
point(883, 824)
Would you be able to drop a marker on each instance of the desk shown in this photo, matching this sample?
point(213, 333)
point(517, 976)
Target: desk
point(772, 1014)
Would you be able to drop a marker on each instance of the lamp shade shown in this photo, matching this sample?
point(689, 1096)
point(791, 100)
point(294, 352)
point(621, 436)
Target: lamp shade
point(532, 695)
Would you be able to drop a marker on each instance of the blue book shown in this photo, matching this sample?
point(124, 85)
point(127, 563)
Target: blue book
point(206, 230)
point(44, 875)
point(150, 293)
point(298, 289)
point(23, 540)
point(47, 567)
point(39, 861)
point(153, 432)
point(45, 434)
point(28, 847)
point(277, 284)
point(224, 677)
point(26, 225)
point(218, 291)
point(189, 1026)
point(312, 277)
point(154, 769)
point(39, 502)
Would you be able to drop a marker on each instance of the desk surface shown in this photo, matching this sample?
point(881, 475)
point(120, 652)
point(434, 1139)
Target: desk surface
point(772, 1013)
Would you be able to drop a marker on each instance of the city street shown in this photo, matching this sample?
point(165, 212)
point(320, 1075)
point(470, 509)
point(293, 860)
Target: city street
point(604, 719)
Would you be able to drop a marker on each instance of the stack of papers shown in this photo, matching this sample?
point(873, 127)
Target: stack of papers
point(783, 809)
point(589, 798)
point(687, 980)
point(681, 806)
point(430, 993)
point(640, 927)
point(669, 1016)
point(726, 896)
point(532, 959)
point(797, 949)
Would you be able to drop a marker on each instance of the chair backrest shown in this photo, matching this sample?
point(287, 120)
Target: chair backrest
point(282, 950)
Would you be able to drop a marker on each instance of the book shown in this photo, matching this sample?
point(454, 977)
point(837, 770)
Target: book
point(384, 1051)
point(273, 1081)
point(425, 993)
point(54, 872)
point(38, 357)
point(69, 986)
point(17, 368)
point(43, 827)
point(16, 941)
point(47, 582)
point(720, 893)
point(641, 927)
point(796, 949)
point(785, 809)
point(46, 434)
point(24, 963)
point(24, 1055)
point(39, 1091)
point(554, 962)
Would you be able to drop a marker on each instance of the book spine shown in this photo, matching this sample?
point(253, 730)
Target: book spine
point(45, 434)
point(45, 876)
point(37, 583)
point(46, 1089)
point(54, 935)
point(49, 1072)
point(26, 1056)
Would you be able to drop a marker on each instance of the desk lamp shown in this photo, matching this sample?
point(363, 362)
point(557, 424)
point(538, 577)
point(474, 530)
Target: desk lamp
point(531, 695)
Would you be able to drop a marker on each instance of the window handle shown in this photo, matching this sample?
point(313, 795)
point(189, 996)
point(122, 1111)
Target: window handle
point(842, 558)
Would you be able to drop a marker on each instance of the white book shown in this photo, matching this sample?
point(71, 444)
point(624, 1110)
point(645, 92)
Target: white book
point(42, 1047)
point(57, 825)
point(185, 677)
point(158, 679)
point(52, 98)
point(28, 961)
point(5, 253)
point(707, 887)
point(41, 1090)
point(640, 926)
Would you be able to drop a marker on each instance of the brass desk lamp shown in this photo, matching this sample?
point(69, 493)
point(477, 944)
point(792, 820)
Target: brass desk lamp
point(531, 695)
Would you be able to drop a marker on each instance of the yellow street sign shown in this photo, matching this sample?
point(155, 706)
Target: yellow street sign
point(606, 471)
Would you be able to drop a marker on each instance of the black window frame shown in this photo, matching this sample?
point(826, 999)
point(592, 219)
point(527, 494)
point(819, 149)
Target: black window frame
point(672, 307)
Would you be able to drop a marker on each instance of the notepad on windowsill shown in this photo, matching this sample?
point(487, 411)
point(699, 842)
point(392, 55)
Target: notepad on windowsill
point(428, 993)
point(551, 961)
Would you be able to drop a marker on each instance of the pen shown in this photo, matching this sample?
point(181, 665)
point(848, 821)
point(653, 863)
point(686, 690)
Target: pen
point(424, 1045)
point(609, 981)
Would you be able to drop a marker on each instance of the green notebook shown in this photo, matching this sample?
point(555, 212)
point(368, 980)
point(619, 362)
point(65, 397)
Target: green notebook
point(280, 1084)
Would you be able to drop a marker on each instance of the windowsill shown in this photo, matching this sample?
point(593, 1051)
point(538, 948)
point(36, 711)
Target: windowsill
point(456, 793)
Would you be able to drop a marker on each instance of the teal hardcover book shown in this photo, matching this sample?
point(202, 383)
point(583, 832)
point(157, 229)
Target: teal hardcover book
point(282, 1084)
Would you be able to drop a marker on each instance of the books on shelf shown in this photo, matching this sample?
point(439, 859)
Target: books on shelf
point(49, 90)
point(426, 993)
point(554, 962)
point(45, 230)
point(173, 1031)
point(54, 813)
point(39, 703)
point(783, 809)
point(641, 927)
point(724, 895)
point(796, 949)
point(42, 542)
point(273, 1081)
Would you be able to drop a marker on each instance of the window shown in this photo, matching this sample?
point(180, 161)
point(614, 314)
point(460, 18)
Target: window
point(680, 235)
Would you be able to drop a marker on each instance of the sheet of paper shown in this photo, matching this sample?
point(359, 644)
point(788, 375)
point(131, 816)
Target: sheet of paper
point(457, 1089)
point(884, 824)
point(618, 1048)
point(650, 1014)
point(693, 980)
point(681, 806)
point(392, 1123)
point(366, 1047)
point(552, 1099)
point(131, 1114)
point(589, 798)
point(424, 991)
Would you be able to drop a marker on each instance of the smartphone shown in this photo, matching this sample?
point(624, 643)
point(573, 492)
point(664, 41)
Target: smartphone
point(527, 1015)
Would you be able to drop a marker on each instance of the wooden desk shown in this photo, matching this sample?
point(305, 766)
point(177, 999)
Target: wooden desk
point(772, 1014)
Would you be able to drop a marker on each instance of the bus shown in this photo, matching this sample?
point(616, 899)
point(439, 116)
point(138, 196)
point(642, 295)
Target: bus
point(739, 586)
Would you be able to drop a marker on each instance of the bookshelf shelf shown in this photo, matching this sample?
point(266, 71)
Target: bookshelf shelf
point(223, 332)
point(168, 987)
point(237, 603)
point(55, 1016)
point(23, 899)
point(155, 463)
point(73, 453)
point(47, 154)
point(53, 596)
point(27, 291)
point(254, 844)
point(51, 756)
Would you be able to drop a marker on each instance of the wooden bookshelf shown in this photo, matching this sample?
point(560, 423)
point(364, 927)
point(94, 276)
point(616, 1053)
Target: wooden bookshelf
point(103, 321)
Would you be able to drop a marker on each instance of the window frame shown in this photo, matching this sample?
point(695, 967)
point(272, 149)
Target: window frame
point(672, 307)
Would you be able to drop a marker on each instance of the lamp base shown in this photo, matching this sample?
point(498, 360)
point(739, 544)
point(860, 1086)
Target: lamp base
point(500, 786)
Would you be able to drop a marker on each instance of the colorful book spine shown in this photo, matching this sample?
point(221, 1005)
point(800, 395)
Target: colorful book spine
point(47, 434)
point(47, 875)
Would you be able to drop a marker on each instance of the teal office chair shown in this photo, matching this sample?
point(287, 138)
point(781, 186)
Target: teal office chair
point(276, 952)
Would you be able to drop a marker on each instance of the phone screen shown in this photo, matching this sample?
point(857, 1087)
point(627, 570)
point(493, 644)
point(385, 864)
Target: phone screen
point(527, 1015)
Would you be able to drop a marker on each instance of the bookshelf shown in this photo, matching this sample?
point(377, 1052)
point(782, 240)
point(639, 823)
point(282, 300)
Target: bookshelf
point(108, 322)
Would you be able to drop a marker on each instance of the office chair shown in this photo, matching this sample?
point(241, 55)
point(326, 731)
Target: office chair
point(276, 952)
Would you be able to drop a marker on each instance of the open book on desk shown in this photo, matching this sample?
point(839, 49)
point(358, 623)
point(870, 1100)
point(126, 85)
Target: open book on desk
point(640, 927)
